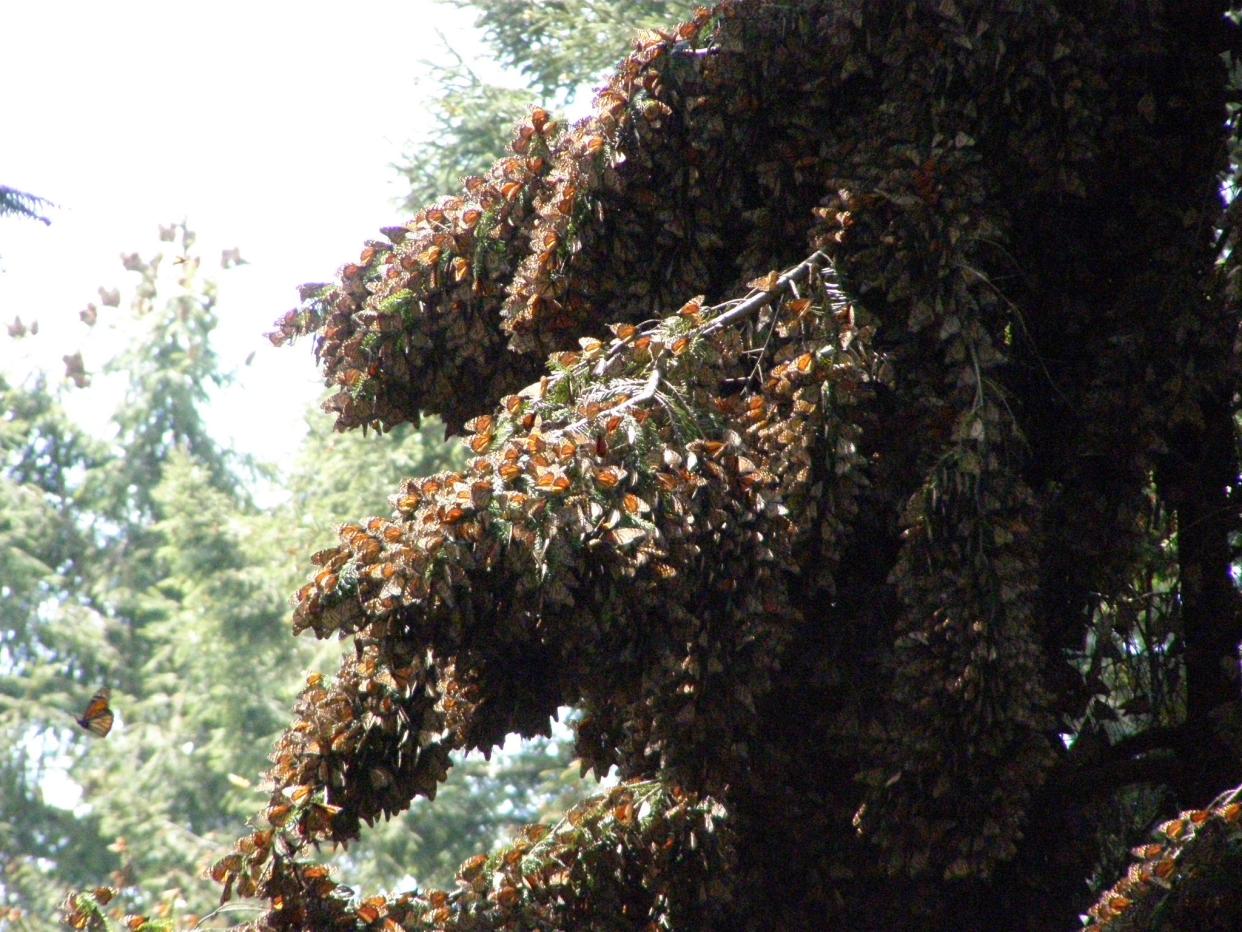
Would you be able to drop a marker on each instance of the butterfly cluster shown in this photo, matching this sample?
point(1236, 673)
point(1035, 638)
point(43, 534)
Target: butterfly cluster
point(686, 454)
point(1192, 853)
point(626, 466)
point(545, 874)
point(610, 220)
point(816, 559)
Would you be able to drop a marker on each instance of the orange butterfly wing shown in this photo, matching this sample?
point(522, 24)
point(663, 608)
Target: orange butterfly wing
point(97, 719)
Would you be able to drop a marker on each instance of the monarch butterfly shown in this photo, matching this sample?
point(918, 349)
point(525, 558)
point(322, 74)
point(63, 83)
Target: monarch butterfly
point(97, 719)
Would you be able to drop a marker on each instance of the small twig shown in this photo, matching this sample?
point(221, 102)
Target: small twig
point(788, 281)
point(751, 305)
point(746, 307)
point(461, 62)
point(646, 394)
point(227, 908)
point(1226, 798)
point(1021, 318)
point(756, 373)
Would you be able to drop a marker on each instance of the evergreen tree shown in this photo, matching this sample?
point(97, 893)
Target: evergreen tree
point(837, 394)
point(126, 565)
point(52, 646)
point(140, 563)
point(558, 48)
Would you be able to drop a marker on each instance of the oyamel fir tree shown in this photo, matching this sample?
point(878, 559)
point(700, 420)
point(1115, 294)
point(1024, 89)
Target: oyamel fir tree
point(826, 390)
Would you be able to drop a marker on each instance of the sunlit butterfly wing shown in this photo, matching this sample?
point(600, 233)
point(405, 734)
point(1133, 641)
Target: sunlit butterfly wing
point(97, 719)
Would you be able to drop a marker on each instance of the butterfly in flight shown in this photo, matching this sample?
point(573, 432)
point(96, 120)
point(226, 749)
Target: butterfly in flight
point(97, 719)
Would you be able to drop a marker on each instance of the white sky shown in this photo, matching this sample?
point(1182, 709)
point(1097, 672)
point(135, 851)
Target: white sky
point(270, 126)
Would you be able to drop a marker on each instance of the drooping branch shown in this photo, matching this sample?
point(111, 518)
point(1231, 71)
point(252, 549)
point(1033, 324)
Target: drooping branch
point(550, 244)
point(1186, 878)
point(621, 542)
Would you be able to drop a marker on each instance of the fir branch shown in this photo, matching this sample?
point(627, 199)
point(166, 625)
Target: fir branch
point(23, 204)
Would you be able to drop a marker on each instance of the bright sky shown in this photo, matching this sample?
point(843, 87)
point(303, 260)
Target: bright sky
point(269, 126)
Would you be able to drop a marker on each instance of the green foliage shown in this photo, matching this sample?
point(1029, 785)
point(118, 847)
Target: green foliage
point(559, 48)
point(51, 648)
point(561, 45)
point(43, 539)
point(174, 778)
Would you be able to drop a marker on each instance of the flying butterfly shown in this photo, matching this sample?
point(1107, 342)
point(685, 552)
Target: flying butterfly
point(97, 719)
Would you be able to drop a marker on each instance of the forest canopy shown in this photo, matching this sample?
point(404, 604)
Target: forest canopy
point(852, 406)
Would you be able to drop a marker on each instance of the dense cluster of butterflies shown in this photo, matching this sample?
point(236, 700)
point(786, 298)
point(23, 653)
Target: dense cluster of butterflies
point(607, 468)
point(1188, 853)
point(478, 288)
point(547, 875)
point(596, 453)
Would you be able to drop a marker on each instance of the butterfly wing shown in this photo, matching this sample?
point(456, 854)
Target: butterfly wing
point(97, 719)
